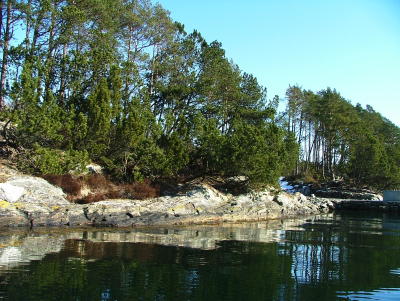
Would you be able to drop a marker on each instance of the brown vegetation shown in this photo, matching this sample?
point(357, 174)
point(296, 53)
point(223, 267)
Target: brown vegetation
point(97, 181)
point(69, 184)
point(92, 198)
point(96, 187)
point(141, 190)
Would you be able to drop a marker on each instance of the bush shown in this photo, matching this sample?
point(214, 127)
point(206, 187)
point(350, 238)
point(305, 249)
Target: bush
point(92, 198)
point(141, 190)
point(68, 183)
point(100, 196)
point(101, 188)
point(98, 181)
point(42, 160)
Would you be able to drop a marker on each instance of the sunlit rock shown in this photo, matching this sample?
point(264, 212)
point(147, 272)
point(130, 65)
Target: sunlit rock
point(10, 193)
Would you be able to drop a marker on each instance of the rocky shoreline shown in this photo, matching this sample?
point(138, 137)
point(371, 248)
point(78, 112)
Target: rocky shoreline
point(27, 201)
point(337, 189)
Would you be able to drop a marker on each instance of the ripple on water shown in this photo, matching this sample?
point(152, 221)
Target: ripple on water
point(335, 257)
point(384, 294)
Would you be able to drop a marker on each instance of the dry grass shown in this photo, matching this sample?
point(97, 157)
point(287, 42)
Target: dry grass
point(309, 178)
point(97, 181)
point(92, 198)
point(69, 184)
point(96, 188)
point(141, 190)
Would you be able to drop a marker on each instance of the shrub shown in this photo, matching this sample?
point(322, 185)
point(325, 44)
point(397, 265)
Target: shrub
point(101, 188)
point(141, 190)
point(92, 198)
point(114, 193)
point(67, 182)
point(97, 181)
point(99, 196)
point(47, 161)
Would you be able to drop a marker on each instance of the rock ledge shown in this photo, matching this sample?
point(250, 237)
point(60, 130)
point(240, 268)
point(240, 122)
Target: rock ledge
point(31, 201)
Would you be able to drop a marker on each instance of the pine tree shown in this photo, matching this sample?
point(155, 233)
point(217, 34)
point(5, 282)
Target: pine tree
point(99, 120)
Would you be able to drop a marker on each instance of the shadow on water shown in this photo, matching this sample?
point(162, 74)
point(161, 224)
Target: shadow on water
point(352, 256)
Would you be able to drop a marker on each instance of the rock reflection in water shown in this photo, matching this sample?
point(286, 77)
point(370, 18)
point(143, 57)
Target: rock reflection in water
point(322, 258)
point(22, 247)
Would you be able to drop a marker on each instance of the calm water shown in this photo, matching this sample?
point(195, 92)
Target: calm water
point(336, 257)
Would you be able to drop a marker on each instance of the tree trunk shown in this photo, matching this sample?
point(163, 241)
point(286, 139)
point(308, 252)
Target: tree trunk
point(6, 45)
point(49, 58)
point(28, 27)
point(36, 32)
point(152, 79)
point(62, 76)
point(1, 21)
point(309, 144)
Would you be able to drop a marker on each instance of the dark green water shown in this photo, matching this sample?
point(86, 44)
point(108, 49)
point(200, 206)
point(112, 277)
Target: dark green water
point(341, 257)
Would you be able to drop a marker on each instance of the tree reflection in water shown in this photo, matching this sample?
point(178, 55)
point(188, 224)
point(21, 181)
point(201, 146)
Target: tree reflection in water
point(353, 256)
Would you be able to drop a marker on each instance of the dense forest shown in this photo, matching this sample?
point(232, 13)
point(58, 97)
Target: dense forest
point(119, 83)
point(339, 140)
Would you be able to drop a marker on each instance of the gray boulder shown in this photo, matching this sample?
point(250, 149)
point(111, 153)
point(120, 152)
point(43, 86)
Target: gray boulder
point(38, 191)
point(10, 192)
point(27, 200)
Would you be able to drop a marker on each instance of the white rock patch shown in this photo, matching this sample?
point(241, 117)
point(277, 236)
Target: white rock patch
point(10, 193)
point(10, 255)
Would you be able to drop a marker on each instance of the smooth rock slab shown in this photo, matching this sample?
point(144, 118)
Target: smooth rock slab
point(10, 192)
point(38, 191)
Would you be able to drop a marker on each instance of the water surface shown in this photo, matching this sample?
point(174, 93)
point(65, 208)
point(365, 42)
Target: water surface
point(333, 257)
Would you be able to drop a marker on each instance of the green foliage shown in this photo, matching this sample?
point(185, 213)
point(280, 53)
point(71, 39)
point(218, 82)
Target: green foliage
point(134, 152)
point(43, 160)
point(338, 139)
point(122, 84)
point(376, 151)
point(99, 117)
point(177, 151)
point(209, 146)
point(368, 162)
point(259, 152)
point(289, 153)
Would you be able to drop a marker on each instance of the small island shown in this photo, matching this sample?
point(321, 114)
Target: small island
point(139, 122)
point(223, 150)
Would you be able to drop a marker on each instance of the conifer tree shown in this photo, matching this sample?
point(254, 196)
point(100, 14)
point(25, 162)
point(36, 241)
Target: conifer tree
point(99, 120)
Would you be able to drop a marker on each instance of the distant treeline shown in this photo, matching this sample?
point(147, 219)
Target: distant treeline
point(119, 83)
point(342, 140)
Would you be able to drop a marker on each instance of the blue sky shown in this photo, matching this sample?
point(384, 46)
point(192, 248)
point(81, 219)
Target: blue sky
point(350, 45)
